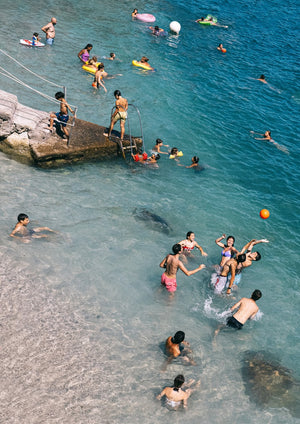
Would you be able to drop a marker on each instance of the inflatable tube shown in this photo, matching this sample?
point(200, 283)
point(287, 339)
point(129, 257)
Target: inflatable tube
point(142, 65)
point(90, 69)
point(222, 50)
point(145, 17)
point(178, 154)
point(207, 20)
point(29, 43)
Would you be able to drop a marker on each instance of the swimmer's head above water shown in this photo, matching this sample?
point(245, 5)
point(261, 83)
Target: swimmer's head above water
point(257, 294)
point(178, 382)
point(158, 141)
point(23, 218)
point(176, 248)
point(178, 337)
point(195, 159)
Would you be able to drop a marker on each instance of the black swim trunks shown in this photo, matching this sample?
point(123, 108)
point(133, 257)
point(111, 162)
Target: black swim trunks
point(234, 323)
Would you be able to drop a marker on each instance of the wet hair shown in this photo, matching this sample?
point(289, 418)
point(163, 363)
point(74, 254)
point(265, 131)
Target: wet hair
point(117, 93)
point(229, 237)
point(134, 10)
point(144, 59)
point(36, 34)
point(159, 141)
point(195, 159)
point(189, 233)
point(22, 216)
point(258, 257)
point(262, 77)
point(59, 95)
point(88, 45)
point(256, 295)
point(100, 66)
point(156, 28)
point(174, 150)
point(111, 54)
point(241, 258)
point(176, 248)
point(157, 156)
point(178, 337)
point(178, 382)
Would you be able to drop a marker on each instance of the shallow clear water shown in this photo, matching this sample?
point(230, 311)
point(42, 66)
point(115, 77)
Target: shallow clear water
point(82, 313)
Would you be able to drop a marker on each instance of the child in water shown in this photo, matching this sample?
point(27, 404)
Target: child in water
point(158, 145)
point(35, 38)
point(21, 229)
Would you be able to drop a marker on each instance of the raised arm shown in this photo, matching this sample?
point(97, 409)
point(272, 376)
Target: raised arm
point(189, 273)
point(218, 240)
point(249, 246)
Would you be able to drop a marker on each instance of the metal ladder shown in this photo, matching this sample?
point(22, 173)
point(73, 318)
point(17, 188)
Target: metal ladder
point(132, 145)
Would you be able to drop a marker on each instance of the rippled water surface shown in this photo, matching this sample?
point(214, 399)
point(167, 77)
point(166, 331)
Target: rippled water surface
point(82, 314)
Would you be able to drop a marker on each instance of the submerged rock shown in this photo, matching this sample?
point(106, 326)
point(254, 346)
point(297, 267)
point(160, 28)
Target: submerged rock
point(268, 383)
point(156, 222)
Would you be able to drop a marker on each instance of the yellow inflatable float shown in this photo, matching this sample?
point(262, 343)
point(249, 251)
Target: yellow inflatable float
point(90, 68)
point(142, 65)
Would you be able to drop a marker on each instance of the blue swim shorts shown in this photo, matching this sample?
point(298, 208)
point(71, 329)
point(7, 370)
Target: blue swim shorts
point(62, 118)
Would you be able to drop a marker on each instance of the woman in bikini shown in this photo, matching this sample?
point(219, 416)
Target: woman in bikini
point(228, 249)
point(175, 396)
point(189, 244)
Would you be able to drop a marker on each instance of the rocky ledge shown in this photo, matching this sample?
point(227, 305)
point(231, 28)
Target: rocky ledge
point(25, 136)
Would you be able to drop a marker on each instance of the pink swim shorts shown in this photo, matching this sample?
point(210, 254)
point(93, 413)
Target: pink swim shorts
point(170, 283)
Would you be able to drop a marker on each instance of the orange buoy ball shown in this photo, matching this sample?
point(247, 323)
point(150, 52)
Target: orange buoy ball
point(264, 214)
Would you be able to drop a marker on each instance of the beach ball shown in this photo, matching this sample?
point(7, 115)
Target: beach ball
point(175, 27)
point(264, 214)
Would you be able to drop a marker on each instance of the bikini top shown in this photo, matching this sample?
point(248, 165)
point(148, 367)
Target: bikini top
point(226, 253)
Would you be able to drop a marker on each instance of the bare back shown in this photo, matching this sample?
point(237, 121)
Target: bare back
point(123, 103)
point(172, 265)
point(247, 310)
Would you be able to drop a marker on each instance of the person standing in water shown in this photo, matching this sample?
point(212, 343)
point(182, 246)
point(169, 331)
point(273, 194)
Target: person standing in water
point(84, 54)
point(49, 29)
point(190, 243)
point(175, 395)
point(247, 309)
point(172, 263)
point(120, 114)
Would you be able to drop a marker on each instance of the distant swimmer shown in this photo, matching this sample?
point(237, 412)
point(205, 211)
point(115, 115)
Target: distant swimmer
point(98, 83)
point(172, 263)
point(134, 13)
point(262, 79)
point(49, 29)
point(228, 249)
point(84, 54)
point(266, 136)
point(195, 164)
point(61, 117)
point(190, 243)
point(221, 48)
point(152, 160)
point(21, 230)
point(120, 114)
point(156, 30)
point(247, 309)
point(175, 396)
point(158, 144)
point(144, 61)
point(177, 347)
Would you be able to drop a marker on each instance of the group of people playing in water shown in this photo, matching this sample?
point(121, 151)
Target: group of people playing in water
point(225, 279)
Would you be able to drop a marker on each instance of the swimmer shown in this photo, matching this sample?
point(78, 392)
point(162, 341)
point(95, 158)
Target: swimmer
point(35, 38)
point(156, 30)
point(84, 54)
point(172, 263)
point(134, 13)
point(144, 61)
point(190, 243)
point(221, 48)
point(176, 346)
point(104, 74)
point(262, 79)
point(21, 229)
point(247, 309)
point(153, 159)
point(98, 83)
point(266, 136)
point(140, 157)
point(228, 249)
point(232, 266)
point(195, 164)
point(93, 62)
point(158, 145)
point(174, 154)
point(175, 395)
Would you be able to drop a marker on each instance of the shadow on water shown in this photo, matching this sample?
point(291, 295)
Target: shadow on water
point(269, 384)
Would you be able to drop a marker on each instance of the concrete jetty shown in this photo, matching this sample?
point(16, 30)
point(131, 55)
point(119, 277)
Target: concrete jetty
point(25, 136)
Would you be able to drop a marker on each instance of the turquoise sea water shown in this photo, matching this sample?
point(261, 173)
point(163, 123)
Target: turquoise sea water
point(82, 314)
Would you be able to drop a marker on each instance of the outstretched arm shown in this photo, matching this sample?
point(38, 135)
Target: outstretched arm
point(189, 273)
point(200, 248)
point(249, 246)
